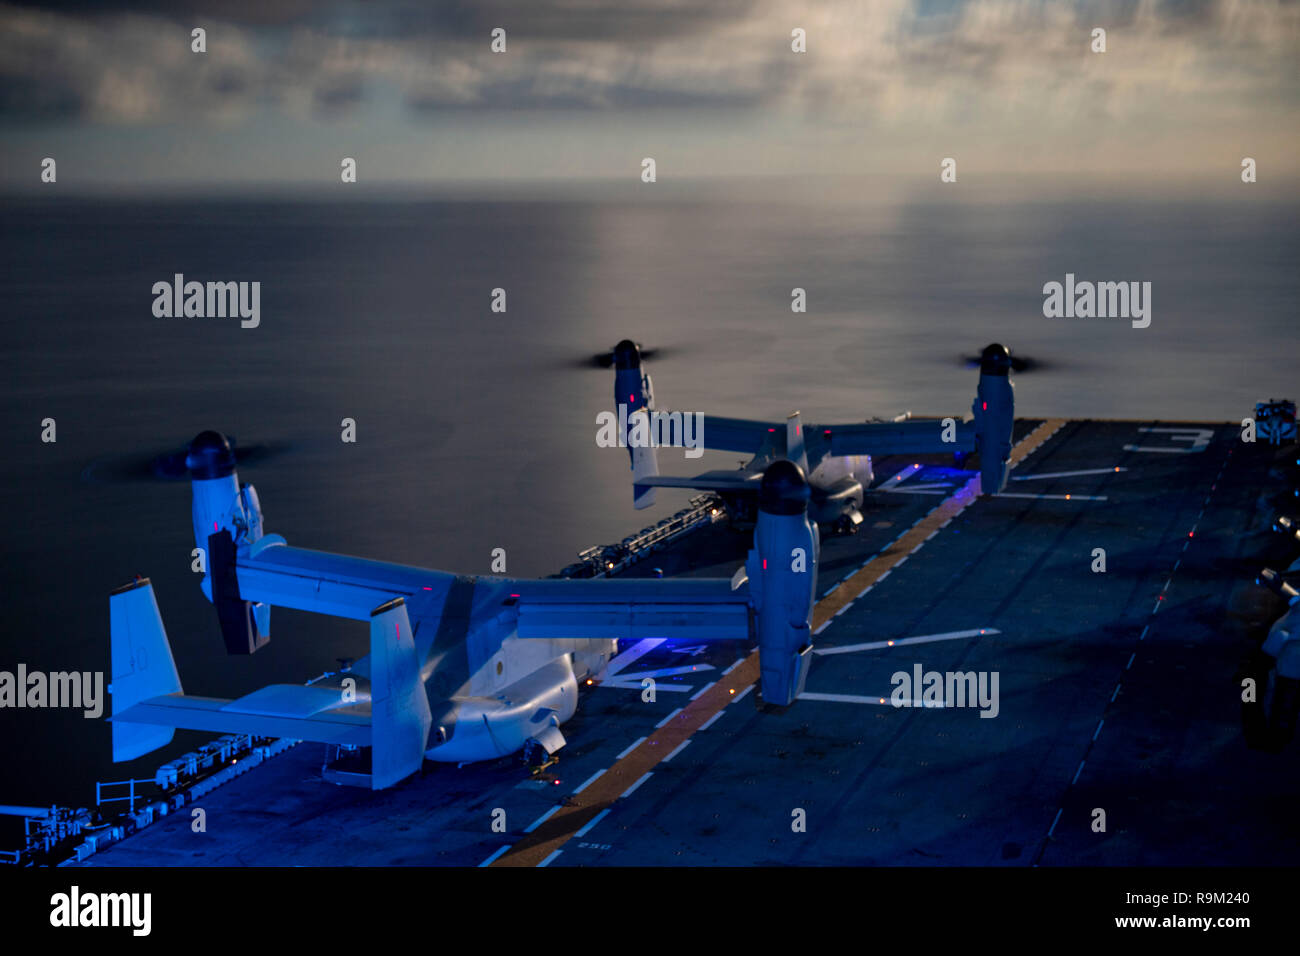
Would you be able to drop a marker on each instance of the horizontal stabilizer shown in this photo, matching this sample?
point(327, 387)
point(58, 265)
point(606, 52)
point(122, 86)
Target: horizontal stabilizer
point(710, 481)
point(300, 717)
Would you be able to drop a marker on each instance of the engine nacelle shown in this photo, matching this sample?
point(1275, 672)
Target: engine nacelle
point(632, 386)
point(226, 517)
point(995, 417)
point(782, 569)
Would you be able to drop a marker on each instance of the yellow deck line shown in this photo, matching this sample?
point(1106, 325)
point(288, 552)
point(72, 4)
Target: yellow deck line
point(564, 823)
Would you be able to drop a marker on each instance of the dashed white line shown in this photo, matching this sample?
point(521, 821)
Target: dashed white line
point(1098, 730)
point(490, 860)
point(632, 789)
point(711, 721)
point(547, 861)
point(678, 749)
point(630, 747)
point(1054, 822)
point(592, 822)
point(1077, 772)
point(669, 717)
point(703, 689)
point(542, 819)
point(743, 693)
point(590, 780)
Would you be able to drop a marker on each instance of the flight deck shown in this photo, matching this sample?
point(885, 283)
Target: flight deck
point(1105, 601)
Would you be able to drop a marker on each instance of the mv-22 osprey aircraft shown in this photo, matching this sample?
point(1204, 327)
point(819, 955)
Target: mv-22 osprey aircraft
point(836, 458)
point(461, 668)
point(465, 668)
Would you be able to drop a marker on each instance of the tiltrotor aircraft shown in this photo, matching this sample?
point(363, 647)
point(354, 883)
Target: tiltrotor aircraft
point(461, 668)
point(836, 458)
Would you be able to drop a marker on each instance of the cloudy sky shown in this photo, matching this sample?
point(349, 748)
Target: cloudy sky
point(586, 88)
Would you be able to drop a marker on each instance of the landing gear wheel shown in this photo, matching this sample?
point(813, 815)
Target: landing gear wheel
point(537, 759)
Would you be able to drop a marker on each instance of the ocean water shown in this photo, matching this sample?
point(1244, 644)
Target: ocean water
point(476, 430)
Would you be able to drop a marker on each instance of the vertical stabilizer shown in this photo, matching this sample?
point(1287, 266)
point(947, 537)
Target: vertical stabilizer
point(794, 444)
point(399, 708)
point(142, 665)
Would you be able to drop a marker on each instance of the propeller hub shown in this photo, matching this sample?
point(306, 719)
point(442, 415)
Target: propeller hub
point(784, 490)
point(210, 456)
point(995, 360)
point(627, 355)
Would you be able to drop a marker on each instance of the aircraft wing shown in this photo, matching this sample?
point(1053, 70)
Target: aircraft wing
point(697, 608)
point(919, 437)
point(738, 434)
point(337, 584)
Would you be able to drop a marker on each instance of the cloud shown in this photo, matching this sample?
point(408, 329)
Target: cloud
point(1000, 62)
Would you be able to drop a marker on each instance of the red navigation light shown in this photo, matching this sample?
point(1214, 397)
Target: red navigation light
point(986, 406)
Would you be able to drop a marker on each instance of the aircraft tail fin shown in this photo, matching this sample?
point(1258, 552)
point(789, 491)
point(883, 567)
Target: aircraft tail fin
point(142, 667)
point(794, 442)
point(400, 717)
